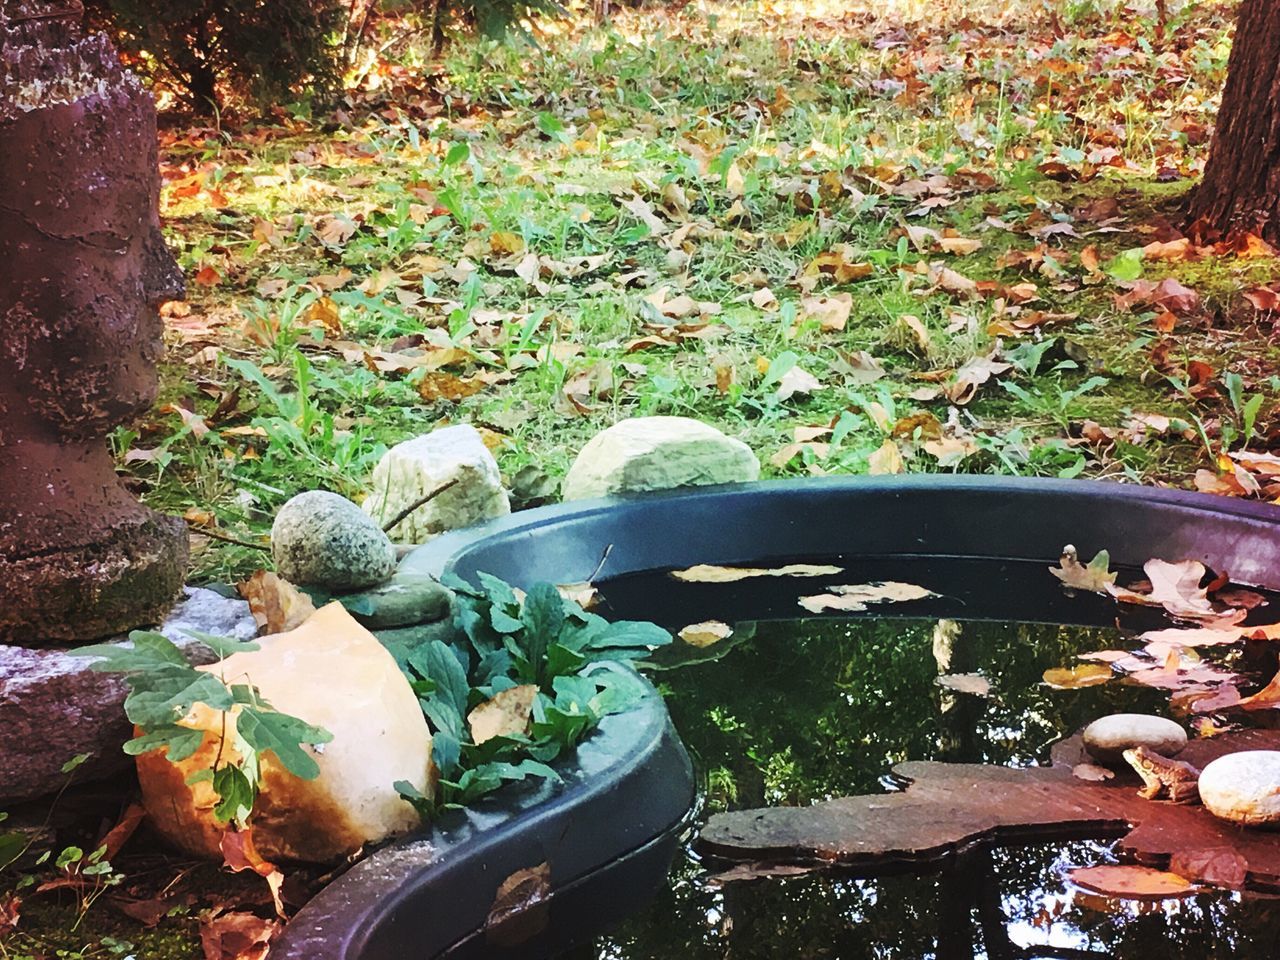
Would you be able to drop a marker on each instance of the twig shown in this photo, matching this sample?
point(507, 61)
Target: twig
point(387, 527)
point(227, 538)
point(600, 566)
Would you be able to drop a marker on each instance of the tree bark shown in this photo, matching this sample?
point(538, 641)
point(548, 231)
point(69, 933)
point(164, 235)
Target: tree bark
point(1241, 187)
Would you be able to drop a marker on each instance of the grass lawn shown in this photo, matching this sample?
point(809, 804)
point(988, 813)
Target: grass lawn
point(860, 242)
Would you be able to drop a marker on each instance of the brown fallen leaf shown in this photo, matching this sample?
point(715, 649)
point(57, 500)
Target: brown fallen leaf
point(706, 633)
point(886, 460)
point(1129, 882)
point(1219, 866)
point(853, 598)
point(276, 604)
point(503, 714)
point(1095, 577)
point(832, 313)
point(1091, 772)
point(708, 573)
point(10, 913)
point(1175, 587)
point(974, 684)
point(323, 313)
point(237, 936)
point(239, 853)
point(1074, 678)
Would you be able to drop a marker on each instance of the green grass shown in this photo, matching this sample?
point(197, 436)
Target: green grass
point(754, 142)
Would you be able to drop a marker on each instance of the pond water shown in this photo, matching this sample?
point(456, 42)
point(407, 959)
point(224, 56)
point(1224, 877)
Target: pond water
point(793, 711)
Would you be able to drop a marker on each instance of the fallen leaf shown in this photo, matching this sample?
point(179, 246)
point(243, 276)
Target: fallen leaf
point(974, 684)
point(1219, 866)
point(797, 380)
point(1095, 577)
point(276, 604)
point(1074, 678)
point(1128, 882)
point(503, 714)
point(708, 573)
point(1174, 586)
point(832, 313)
point(237, 936)
point(1091, 772)
point(240, 853)
point(886, 460)
point(853, 598)
point(324, 314)
point(706, 633)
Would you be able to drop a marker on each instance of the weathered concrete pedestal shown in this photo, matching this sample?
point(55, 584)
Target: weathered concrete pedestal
point(83, 268)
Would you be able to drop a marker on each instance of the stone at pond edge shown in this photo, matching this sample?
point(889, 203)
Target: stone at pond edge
point(323, 539)
point(53, 706)
point(1108, 737)
point(411, 470)
point(1243, 787)
point(331, 673)
point(406, 600)
point(658, 453)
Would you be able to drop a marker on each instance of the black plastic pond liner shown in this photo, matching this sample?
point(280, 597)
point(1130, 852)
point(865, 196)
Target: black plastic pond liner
point(607, 834)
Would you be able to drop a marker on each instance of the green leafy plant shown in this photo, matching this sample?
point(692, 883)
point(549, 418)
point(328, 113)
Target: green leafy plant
point(164, 687)
point(573, 657)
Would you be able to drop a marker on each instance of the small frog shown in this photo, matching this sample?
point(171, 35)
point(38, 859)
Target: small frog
point(1160, 776)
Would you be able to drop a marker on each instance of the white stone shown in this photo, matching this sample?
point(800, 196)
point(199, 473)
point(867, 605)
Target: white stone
point(1107, 738)
point(333, 674)
point(1243, 787)
point(411, 470)
point(657, 453)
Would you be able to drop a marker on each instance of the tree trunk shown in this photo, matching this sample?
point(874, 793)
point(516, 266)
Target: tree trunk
point(1241, 186)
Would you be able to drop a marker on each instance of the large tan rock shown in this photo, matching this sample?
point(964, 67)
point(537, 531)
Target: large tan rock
point(657, 453)
point(333, 674)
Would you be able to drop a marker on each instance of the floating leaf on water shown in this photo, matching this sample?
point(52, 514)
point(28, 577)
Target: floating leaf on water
point(584, 595)
point(710, 573)
point(706, 633)
point(1128, 882)
point(1176, 587)
point(854, 598)
point(974, 684)
point(1095, 577)
point(1073, 678)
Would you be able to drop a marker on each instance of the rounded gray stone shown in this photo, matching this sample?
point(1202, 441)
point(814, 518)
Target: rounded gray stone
point(1107, 738)
point(1243, 787)
point(326, 540)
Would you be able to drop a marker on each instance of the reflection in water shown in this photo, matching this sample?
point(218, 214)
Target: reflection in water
point(792, 712)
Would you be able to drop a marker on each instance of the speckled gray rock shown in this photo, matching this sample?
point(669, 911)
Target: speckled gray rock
point(658, 453)
point(406, 600)
point(53, 707)
point(1107, 738)
point(323, 539)
point(1243, 787)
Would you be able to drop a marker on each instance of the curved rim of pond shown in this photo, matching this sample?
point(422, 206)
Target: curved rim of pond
point(630, 785)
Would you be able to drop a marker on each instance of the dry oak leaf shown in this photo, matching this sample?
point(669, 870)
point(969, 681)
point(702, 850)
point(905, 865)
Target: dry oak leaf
point(853, 598)
point(1095, 577)
point(1174, 586)
point(710, 573)
point(503, 714)
point(240, 853)
point(1073, 678)
point(276, 604)
point(885, 460)
point(706, 633)
point(1129, 882)
point(832, 313)
point(237, 936)
point(974, 684)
